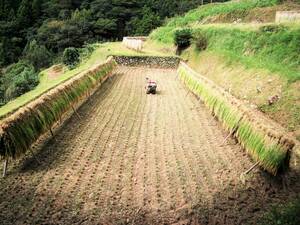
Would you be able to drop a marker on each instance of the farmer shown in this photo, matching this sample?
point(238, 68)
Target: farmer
point(151, 86)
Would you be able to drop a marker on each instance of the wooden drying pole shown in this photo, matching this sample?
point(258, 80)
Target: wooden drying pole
point(251, 168)
point(232, 132)
point(5, 164)
point(74, 110)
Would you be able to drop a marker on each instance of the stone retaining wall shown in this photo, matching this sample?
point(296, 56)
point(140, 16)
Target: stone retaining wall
point(148, 61)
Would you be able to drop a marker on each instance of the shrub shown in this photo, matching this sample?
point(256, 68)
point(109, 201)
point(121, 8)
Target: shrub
point(200, 41)
point(182, 38)
point(86, 51)
point(272, 28)
point(18, 79)
point(71, 57)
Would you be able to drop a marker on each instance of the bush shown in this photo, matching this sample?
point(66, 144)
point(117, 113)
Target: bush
point(182, 38)
point(272, 28)
point(18, 79)
point(71, 57)
point(86, 51)
point(200, 41)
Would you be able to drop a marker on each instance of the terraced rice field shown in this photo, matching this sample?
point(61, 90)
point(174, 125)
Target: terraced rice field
point(134, 158)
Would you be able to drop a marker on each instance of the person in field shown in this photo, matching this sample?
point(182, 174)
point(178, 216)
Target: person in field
point(151, 86)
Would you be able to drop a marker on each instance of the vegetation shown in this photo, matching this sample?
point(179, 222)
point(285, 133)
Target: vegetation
point(18, 79)
point(200, 41)
point(165, 33)
point(182, 38)
point(283, 214)
point(39, 31)
point(71, 57)
point(265, 47)
point(37, 55)
point(59, 24)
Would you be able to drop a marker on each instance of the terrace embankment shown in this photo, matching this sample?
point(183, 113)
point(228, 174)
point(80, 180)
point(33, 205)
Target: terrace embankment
point(134, 158)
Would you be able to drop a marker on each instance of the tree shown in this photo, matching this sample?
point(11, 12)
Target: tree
point(106, 28)
point(18, 79)
point(38, 55)
point(144, 24)
point(24, 15)
point(71, 57)
point(36, 9)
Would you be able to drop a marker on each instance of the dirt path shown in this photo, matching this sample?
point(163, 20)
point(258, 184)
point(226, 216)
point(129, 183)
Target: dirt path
point(140, 159)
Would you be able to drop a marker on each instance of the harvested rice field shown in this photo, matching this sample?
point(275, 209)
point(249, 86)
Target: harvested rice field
point(134, 158)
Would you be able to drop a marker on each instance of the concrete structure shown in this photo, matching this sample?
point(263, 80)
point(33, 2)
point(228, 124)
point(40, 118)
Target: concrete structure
point(287, 16)
point(135, 43)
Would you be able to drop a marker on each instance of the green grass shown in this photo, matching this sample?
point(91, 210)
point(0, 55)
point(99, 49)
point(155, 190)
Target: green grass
point(98, 56)
point(165, 34)
point(276, 51)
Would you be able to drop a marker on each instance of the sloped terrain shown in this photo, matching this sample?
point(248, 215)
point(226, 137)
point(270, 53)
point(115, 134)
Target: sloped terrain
point(134, 158)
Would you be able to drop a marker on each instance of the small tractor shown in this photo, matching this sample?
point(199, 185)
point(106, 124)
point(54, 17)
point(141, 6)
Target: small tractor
point(151, 86)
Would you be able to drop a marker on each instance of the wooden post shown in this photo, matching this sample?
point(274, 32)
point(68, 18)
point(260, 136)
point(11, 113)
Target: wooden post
point(51, 132)
point(251, 168)
point(34, 156)
point(5, 164)
point(79, 117)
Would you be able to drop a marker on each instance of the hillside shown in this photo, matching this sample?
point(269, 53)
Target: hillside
point(251, 56)
point(34, 34)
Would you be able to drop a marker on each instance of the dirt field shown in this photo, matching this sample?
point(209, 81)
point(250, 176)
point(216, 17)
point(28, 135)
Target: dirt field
point(134, 158)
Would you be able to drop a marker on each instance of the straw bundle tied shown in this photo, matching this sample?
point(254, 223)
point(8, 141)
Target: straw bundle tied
point(22, 128)
point(266, 142)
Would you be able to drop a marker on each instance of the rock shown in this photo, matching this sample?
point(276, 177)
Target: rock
point(273, 99)
point(258, 89)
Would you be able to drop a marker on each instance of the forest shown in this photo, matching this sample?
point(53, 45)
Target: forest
point(34, 33)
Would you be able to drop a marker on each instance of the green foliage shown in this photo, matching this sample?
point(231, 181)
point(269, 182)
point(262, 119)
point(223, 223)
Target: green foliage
point(182, 38)
point(37, 55)
point(272, 28)
point(146, 23)
point(71, 57)
point(17, 80)
point(288, 214)
point(86, 51)
point(71, 23)
point(200, 40)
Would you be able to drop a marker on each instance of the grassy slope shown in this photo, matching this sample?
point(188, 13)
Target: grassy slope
point(98, 56)
point(245, 59)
